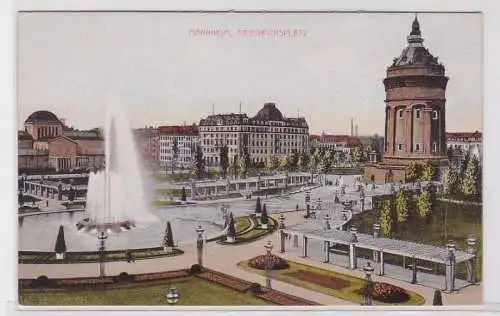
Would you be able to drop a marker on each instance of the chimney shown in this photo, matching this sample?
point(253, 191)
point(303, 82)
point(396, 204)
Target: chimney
point(352, 127)
point(356, 130)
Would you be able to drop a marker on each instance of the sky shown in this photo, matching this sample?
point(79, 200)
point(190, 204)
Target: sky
point(163, 72)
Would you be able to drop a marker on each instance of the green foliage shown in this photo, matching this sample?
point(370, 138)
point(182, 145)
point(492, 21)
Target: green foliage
point(231, 230)
point(199, 163)
point(60, 242)
point(294, 161)
point(427, 172)
point(357, 154)
point(258, 207)
point(451, 181)
point(424, 204)
point(168, 239)
point(283, 162)
point(411, 172)
point(438, 300)
point(271, 163)
point(385, 218)
point(183, 194)
point(402, 211)
point(326, 162)
point(264, 218)
point(224, 160)
point(244, 163)
point(313, 161)
point(471, 179)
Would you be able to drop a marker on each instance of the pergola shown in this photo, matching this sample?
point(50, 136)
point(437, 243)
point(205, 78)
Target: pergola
point(449, 255)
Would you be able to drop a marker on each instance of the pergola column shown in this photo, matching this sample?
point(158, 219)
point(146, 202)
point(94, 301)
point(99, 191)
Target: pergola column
point(304, 246)
point(47, 192)
point(296, 241)
point(24, 186)
point(352, 248)
point(381, 263)
point(327, 251)
point(376, 234)
point(414, 271)
point(450, 268)
point(471, 263)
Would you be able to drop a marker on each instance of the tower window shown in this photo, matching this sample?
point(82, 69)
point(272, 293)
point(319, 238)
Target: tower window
point(435, 115)
point(400, 114)
point(418, 113)
point(400, 147)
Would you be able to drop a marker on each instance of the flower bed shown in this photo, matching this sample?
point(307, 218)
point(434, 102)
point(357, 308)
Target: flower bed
point(260, 262)
point(387, 293)
point(319, 279)
point(283, 299)
point(226, 280)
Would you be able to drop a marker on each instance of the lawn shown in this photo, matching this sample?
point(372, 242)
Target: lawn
point(242, 223)
point(448, 221)
point(342, 286)
point(193, 291)
point(257, 231)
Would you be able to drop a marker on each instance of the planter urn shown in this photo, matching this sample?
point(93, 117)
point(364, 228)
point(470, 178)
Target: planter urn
point(230, 239)
point(60, 256)
point(263, 226)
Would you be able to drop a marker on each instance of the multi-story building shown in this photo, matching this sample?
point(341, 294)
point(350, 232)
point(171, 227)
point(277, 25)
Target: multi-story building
point(185, 138)
point(148, 140)
point(47, 143)
point(343, 143)
point(267, 133)
point(459, 144)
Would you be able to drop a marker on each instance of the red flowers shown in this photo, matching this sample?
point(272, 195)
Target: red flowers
point(388, 293)
point(260, 262)
point(283, 299)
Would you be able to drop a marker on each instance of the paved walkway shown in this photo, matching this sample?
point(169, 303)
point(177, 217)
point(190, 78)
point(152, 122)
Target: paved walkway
point(224, 258)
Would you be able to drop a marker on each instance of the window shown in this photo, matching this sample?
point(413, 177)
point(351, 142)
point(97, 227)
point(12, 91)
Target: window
point(418, 147)
point(400, 147)
point(434, 147)
point(400, 114)
point(435, 115)
point(418, 113)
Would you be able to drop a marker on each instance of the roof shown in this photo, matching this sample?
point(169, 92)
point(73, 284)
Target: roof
point(350, 141)
point(42, 117)
point(90, 135)
point(179, 130)
point(269, 113)
point(415, 54)
point(475, 134)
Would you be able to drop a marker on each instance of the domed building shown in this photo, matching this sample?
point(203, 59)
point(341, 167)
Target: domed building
point(43, 124)
point(415, 87)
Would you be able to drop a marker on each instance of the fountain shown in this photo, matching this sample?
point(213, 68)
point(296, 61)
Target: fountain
point(116, 198)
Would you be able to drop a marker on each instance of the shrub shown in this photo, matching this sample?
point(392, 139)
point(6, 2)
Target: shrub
point(195, 269)
point(438, 300)
point(124, 277)
point(255, 288)
point(388, 293)
point(42, 281)
point(260, 262)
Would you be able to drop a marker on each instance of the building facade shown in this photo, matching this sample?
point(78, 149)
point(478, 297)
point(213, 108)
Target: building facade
point(268, 133)
point(415, 88)
point(47, 143)
point(461, 144)
point(342, 143)
point(148, 140)
point(185, 139)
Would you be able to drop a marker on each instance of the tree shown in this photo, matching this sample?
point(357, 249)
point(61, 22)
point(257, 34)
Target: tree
point(411, 173)
point(183, 194)
point(357, 154)
point(258, 207)
point(304, 161)
point(224, 160)
point(231, 230)
point(264, 219)
point(326, 162)
point(175, 152)
point(283, 162)
point(313, 161)
point(294, 162)
point(424, 204)
point(470, 181)
point(168, 240)
point(401, 206)
point(451, 181)
point(199, 163)
point(427, 172)
point(60, 241)
point(438, 300)
point(244, 163)
point(271, 163)
point(234, 166)
point(385, 218)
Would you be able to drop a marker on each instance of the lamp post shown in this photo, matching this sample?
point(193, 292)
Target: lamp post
point(102, 236)
point(172, 296)
point(199, 245)
point(327, 222)
point(281, 232)
point(269, 264)
point(369, 284)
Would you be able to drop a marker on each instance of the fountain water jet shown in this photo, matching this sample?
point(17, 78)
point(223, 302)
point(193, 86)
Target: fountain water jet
point(116, 197)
